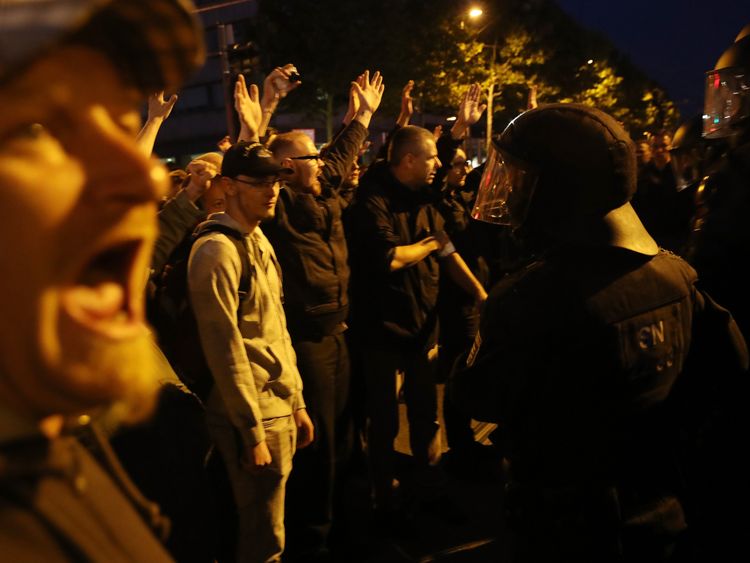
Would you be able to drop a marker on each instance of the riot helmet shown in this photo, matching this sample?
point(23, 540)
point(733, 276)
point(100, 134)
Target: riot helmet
point(564, 172)
point(744, 32)
point(727, 104)
point(688, 152)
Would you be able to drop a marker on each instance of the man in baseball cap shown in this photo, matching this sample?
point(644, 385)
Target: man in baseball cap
point(78, 203)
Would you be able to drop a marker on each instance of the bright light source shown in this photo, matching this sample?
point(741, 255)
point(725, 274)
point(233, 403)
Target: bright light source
point(475, 12)
point(451, 118)
point(590, 61)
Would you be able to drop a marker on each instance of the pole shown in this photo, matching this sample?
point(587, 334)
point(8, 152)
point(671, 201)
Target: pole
point(491, 96)
point(226, 82)
point(218, 6)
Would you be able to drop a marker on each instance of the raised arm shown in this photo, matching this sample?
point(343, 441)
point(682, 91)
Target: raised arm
point(469, 112)
point(275, 87)
point(345, 147)
point(178, 216)
point(407, 105)
point(247, 104)
point(370, 94)
point(353, 107)
point(532, 103)
point(158, 111)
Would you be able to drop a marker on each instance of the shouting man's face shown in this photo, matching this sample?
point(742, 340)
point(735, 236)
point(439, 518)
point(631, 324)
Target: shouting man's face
point(78, 204)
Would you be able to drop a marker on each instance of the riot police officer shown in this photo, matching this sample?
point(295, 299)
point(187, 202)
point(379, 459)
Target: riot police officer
point(722, 237)
point(578, 353)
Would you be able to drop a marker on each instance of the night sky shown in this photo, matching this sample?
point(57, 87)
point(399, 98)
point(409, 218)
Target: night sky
point(673, 41)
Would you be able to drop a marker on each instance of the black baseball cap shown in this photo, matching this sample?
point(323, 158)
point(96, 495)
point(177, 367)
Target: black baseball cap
point(250, 159)
point(156, 44)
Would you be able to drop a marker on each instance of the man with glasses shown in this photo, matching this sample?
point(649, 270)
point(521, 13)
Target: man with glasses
point(308, 235)
point(255, 411)
point(460, 166)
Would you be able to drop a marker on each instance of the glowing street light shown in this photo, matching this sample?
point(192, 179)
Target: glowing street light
point(475, 12)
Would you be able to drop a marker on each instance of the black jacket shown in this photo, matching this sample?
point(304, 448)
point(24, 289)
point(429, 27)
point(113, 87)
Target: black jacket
point(399, 306)
point(308, 237)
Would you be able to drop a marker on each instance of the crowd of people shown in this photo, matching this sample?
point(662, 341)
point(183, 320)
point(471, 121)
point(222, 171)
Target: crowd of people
point(577, 289)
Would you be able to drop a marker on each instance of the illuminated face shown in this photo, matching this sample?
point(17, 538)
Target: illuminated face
point(307, 168)
point(78, 203)
point(424, 165)
point(661, 145)
point(459, 168)
point(256, 197)
point(643, 152)
point(213, 199)
point(352, 180)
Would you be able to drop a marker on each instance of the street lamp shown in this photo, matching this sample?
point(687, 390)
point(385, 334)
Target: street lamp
point(474, 14)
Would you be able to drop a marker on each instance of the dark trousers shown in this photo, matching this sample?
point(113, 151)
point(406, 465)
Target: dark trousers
point(458, 328)
point(383, 367)
point(324, 367)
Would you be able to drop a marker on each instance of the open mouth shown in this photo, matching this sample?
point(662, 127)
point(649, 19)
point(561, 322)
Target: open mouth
point(101, 298)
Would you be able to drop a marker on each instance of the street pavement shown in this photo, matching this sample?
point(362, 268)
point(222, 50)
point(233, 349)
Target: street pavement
point(460, 521)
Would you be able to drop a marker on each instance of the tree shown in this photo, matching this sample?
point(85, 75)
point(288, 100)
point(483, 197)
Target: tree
point(526, 42)
point(329, 54)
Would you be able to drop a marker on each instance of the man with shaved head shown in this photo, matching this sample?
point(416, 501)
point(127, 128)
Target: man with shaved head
point(399, 251)
point(79, 202)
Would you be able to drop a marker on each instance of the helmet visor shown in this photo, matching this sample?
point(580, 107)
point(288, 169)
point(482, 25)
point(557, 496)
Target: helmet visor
point(727, 92)
point(505, 190)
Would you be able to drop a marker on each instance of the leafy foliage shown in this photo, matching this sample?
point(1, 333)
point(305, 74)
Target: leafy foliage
point(522, 43)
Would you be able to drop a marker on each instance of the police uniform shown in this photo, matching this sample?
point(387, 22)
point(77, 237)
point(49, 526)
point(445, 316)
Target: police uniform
point(577, 357)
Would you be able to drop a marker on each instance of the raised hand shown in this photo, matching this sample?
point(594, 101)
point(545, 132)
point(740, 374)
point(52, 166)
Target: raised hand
point(247, 104)
point(407, 105)
point(369, 91)
point(276, 85)
point(353, 108)
point(158, 110)
point(532, 103)
point(469, 111)
point(158, 107)
point(201, 172)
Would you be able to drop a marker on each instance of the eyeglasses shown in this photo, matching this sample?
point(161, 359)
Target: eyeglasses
point(461, 164)
point(306, 157)
point(260, 184)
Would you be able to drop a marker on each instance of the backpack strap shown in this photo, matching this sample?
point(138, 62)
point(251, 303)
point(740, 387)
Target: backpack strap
point(240, 243)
